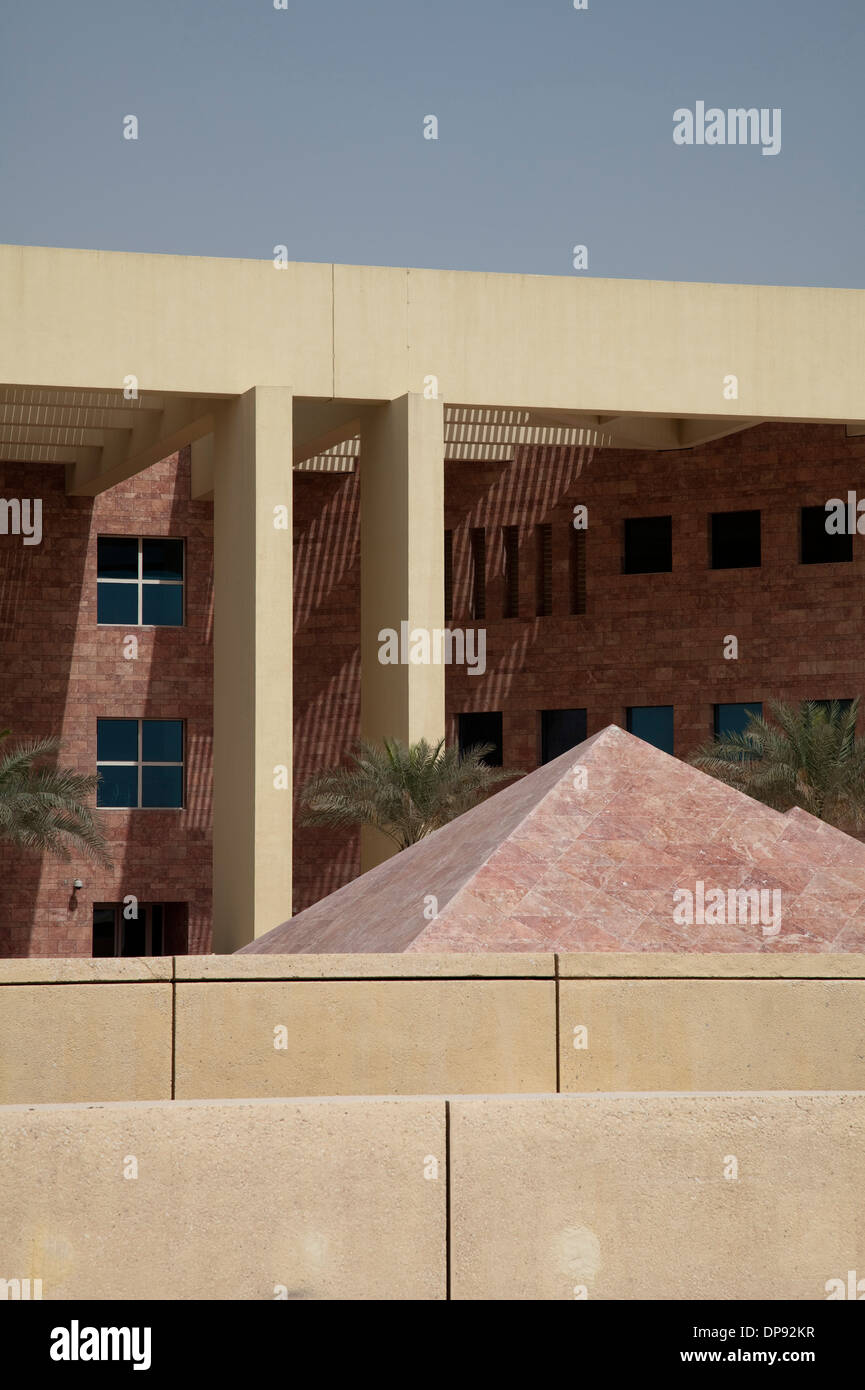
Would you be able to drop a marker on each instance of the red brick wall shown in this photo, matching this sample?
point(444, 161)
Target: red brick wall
point(658, 639)
point(59, 672)
point(326, 664)
point(644, 639)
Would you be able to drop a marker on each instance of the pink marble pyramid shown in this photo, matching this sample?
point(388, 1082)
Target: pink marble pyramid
point(589, 853)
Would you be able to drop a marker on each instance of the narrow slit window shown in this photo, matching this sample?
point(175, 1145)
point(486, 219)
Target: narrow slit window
point(479, 572)
point(544, 586)
point(578, 571)
point(511, 546)
point(449, 574)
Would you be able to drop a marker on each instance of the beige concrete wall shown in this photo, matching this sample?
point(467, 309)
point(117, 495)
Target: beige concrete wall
point(633, 1197)
point(85, 1030)
point(706, 1035)
point(199, 325)
point(365, 1037)
point(229, 1200)
point(205, 1026)
point(659, 1196)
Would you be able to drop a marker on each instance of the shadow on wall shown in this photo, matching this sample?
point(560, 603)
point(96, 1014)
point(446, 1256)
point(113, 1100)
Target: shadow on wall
point(326, 665)
point(41, 587)
point(60, 671)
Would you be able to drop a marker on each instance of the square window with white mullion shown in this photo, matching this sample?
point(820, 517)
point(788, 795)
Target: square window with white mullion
point(140, 763)
point(139, 581)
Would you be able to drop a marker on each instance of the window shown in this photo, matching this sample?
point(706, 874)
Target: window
point(561, 729)
point(511, 546)
point(482, 728)
point(578, 571)
point(827, 705)
point(544, 577)
point(648, 545)
point(449, 574)
point(140, 762)
point(653, 724)
point(735, 540)
point(733, 719)
point(156, 929)
point(479, 572)
point(139, 581)
point(818, 547)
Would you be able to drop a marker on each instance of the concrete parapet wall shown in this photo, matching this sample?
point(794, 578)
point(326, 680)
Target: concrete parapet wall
point(659, 1196)
point(236, 1026)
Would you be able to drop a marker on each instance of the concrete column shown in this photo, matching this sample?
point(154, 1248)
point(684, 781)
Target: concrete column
point(402, 573)
point(252, 666)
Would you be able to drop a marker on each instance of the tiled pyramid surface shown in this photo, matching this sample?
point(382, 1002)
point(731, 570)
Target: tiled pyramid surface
point(565, 861)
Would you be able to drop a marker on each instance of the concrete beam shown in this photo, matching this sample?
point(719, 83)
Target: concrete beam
point(152, 438)
point(70, 455)
point(78, 398)
point(79, 319)
point(321, 425)
point(73, 416)
point(704, 431)
point(202, 468)
point(68, 436)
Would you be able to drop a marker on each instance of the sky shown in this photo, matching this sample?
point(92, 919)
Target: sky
point(304, 127)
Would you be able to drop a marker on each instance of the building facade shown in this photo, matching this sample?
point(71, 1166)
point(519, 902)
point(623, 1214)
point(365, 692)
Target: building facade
point(179, 419)
point(664, 591)
point(66, 673)
point(573, 641)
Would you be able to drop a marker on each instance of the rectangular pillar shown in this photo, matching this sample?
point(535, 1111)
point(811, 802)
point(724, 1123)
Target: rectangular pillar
point(402, 574)
point(252, 695)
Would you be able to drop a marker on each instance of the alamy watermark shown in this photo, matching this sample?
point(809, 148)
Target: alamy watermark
point(77, 1343)
point(438, 646)
point(735, 126)
point(845, 518)
point(22, 516)
point(718, 907)
point(21, 1290)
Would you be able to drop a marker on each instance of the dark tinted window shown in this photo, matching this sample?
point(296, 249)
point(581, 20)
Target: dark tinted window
point(162, 559)
point(161, 786)
point(116, 557)
point(482, 728)
point(118, 787)
point(103, 931)
point(162, 740)
point(653, 724)
point(735, 538)
point(648, 545)
point(117, 603)
point(117, 740)
point(733, 719)
point(161, 605)
point(561, 729)
point(818, 547)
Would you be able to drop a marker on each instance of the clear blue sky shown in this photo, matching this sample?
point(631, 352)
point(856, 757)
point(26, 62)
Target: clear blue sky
point(305, 127)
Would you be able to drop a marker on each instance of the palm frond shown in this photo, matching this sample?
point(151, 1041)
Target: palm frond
point(406, 792)
point(806, 755)
point(44, 808)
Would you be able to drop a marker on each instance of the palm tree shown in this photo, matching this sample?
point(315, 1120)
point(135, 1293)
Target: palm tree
point(405, 792)
point(808, 756)
point(43, 808)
